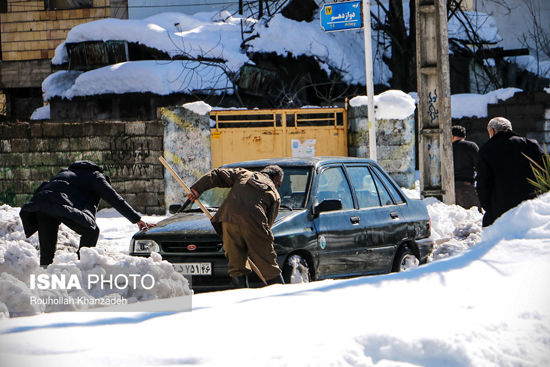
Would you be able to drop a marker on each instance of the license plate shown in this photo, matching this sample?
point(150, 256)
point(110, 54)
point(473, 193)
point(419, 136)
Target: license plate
point(193, 268)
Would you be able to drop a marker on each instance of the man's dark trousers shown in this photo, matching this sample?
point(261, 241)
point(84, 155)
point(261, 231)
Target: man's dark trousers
point(47, 235)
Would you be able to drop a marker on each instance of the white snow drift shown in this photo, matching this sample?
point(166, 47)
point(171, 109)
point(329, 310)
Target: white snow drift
point(485, 307)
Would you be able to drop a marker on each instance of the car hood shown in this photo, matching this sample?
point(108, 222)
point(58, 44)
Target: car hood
point(193, 224)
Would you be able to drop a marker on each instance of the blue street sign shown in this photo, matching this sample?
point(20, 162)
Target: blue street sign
point(341, 16)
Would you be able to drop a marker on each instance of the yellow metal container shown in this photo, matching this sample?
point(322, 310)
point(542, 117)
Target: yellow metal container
point(256, 134)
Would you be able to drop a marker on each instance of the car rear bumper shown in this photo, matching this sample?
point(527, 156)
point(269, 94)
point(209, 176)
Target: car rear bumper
point(425, 247)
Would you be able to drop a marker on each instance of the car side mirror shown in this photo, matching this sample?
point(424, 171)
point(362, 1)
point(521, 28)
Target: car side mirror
point(327, 205)
point(175, 208)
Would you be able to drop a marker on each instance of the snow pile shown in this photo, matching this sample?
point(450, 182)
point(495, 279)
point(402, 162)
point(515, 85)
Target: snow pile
point(162, 77)
point(41, 113)
point(19, 261)
point(342, 51)
point(454, 229)
point(475, 105)
point(199, 107)
point(214, 35)
point(530, 63)
point(484, 25)
point(174, 33)
point(389, 105)
point(486, 307)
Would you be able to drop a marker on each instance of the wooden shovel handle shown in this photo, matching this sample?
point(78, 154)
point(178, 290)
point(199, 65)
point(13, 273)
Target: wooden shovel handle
point(185, 187)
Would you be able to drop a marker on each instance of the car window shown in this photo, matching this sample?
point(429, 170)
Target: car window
point(365, 188)
point(385, 197)
point(294, 187)
point(397, 197)
point(333, 185)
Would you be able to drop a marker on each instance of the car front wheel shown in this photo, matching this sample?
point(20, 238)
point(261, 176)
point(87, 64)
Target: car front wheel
point(405, 260)
point(296, 270)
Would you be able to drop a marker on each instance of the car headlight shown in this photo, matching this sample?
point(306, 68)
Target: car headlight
point(145, 246)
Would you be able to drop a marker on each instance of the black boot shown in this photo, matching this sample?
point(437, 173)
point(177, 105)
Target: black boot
point(240, 281)
point(276, 280)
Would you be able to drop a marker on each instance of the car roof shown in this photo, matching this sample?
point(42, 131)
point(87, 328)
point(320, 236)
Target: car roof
point(306, 161)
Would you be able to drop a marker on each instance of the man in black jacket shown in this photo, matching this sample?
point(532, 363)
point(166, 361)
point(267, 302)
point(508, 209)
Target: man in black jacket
point(465, 163)
point(503, 169)
point(71, 197)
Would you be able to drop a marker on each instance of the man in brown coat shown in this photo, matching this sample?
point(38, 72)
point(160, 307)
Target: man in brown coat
point(245, 218)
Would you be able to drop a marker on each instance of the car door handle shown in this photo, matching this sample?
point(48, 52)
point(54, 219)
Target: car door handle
point(394, 215)
point(355, 219)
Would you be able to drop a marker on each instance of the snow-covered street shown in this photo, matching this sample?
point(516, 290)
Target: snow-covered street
point(483, 301)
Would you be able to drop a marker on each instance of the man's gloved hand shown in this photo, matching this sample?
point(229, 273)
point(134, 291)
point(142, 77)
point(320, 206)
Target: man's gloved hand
point(145, 226)
point(194, 195)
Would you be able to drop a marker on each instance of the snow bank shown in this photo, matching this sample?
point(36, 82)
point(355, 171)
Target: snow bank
point(41, 113)
point(487, 307)
point(389, 105)
point(342, 51)
point(454, 229)
point(484, 25)
point(162, 77)
point(173, 33)
point(199, 107)
point(19, 260)
point(475, 105)
point(530, 63)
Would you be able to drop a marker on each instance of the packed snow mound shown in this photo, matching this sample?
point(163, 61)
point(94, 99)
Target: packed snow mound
point(531, 64)
point(199, 107)
point(174, 33)
point(341, 51)
point(389, 105)
point(19, 262)
point(487, 307)
point(163, 78)
point(208, 35)
point(484, 25)
point(475, 105)
point(454, 229)
point(41, 113)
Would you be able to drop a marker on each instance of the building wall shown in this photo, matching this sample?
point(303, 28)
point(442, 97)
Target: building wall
point(29, 36)
point(31, 153)
point(139, 9)
point(31, 32)
point(514, 19)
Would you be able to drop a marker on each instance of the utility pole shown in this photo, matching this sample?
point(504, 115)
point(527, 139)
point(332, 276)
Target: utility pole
point(369, 79)
point(434, 101)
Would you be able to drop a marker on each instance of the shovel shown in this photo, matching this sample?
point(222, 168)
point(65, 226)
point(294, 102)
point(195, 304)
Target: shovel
point(205, 211)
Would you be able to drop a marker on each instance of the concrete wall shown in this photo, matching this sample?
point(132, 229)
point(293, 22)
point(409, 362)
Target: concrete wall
point(528, 112)
point(186, 148)
point(395, 144)
point(128, 151)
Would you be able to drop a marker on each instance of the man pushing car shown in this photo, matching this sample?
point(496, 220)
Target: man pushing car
point(245, 218)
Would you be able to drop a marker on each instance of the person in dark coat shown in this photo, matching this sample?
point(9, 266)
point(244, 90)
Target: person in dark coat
point(245, 218)
point(503, 169)
point(71, 197)
point(465, 162)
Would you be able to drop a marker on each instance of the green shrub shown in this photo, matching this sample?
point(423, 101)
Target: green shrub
point(542, 174)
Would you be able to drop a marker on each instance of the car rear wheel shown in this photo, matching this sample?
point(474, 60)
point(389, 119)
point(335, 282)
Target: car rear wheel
point(296, 270)
point(405, 260)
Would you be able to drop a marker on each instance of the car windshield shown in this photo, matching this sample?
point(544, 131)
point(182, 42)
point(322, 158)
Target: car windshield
point(292, 191)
